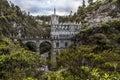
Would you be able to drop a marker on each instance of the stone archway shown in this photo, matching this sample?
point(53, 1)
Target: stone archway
point(31, 46)
point(46, 53)
point(45, 48)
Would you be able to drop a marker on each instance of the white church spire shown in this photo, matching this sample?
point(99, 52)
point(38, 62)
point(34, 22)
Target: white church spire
point(54, 11)
point(54, 18)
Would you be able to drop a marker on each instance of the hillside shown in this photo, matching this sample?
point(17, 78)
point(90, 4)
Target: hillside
point(105, 12)
point(11, 17)
point(97, 12)
point(94, 55)
point(107, 35)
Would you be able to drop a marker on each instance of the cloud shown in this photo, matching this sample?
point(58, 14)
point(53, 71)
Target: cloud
point(45, 7)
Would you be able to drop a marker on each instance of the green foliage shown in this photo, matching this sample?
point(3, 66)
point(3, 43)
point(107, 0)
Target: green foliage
point(29, 79)
point(45, 47)
point(18, 63)
point(83, 3)
point(11, 14)
point(31, 46)
point(96, 57)
point(116, 24)
point(95, 74)
point(90, 2)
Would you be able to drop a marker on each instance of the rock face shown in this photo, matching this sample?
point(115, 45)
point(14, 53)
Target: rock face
point(106, 12)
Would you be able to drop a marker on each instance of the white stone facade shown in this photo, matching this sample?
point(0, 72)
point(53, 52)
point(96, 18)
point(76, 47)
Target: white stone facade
point(61, 33)
point(63, 30)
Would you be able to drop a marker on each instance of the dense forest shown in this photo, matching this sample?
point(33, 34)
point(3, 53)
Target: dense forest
point(95, 54)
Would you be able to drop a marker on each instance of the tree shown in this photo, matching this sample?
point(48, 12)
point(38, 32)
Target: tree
point(110, 0)
point(18, 63)
point(90, 2)
point(118, 1)
point(83, 4)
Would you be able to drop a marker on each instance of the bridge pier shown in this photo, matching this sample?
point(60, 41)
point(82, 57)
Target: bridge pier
point(53, 56)
point(37, 50)
point(38, 47)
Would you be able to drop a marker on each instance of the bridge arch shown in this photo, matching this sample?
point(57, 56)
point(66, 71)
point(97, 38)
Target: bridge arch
point(42, 41)
point(37, 43)
point(27, 41)
point(46, 51)
point(31, 46)
point(45, 46)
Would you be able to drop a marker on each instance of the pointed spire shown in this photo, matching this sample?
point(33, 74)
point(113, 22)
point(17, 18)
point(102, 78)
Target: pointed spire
point(54, 11)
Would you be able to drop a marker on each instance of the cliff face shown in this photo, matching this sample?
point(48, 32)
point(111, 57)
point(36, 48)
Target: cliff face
point(105, 12)
point(107, 9)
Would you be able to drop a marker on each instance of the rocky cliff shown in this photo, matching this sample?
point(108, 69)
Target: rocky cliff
point(103, 12)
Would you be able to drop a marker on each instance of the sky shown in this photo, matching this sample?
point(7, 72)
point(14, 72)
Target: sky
point(46, 7)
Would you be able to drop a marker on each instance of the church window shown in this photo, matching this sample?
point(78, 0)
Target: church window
point(66, 44)
point(57, 44)
point(64, 28)
point(67, 27)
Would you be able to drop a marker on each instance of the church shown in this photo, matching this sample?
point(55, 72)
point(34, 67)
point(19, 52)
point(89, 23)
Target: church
point(63, 30)
point(62, 33)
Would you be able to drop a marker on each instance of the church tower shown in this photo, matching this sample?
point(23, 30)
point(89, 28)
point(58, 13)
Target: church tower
point(54, 18)
point(54, 23)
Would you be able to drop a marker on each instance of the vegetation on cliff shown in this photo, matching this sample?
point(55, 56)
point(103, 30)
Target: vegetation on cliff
point(11, 17)
point(94, 56)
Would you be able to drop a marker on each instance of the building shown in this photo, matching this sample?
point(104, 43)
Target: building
point(62, 33)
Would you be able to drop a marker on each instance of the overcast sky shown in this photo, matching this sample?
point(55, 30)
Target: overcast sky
point(45, 7)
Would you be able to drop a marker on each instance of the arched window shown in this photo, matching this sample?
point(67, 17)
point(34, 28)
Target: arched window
point(57, 44)
point(66, 44)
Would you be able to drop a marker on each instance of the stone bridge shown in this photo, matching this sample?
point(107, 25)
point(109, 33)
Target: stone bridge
point(57, 45)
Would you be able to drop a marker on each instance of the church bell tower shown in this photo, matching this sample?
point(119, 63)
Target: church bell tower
point(54, 18)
